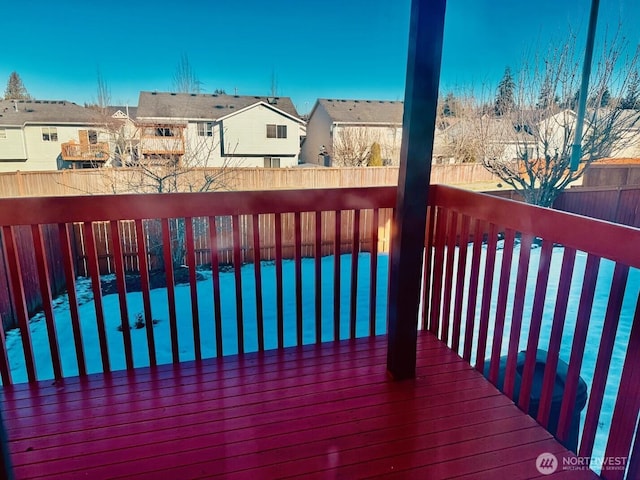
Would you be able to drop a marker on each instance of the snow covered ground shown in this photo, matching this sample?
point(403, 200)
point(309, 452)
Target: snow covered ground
point(227, 286)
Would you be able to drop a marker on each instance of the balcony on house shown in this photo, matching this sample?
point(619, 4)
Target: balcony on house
point(87, 149)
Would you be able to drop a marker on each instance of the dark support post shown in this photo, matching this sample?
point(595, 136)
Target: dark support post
point(421, 97)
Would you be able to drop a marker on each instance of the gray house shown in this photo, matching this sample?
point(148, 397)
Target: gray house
point(341, 132)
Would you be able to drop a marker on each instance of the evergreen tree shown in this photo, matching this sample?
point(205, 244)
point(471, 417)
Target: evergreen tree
point(505, 100)
point(15, 88)
point(375, 157)
point(631, 100)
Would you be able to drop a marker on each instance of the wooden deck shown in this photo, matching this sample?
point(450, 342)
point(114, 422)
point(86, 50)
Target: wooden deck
point(325, 411)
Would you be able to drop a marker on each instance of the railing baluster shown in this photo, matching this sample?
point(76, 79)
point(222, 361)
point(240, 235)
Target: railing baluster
point(501, 307)
point(17, 288)
point(279, 293)
point(625, 413)
point(318, 274)
point(118, 261)
point(193, 288)
point(428, 266)
point(578, 346)
point(337, 247)
point(463, 240)
point(526, 241)
point(609, 329)
point(487, 288)
point(47, 306)
point(146, 297)
point(474, 279)
point(65, 247)
point(257, 270)
point(442, 216)
point(237, 271)
point(171, 294)
point(355, 251)
point(373, 275)
point(448, 279)
point(215, 282)
point(297, 258)
point(557, 326)
point(94, 273)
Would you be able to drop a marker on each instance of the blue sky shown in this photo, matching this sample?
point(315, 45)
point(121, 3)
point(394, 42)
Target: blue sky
point(328, 48)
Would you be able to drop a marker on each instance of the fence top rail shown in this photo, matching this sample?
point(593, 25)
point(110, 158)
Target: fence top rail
point(67, 209)
point(605, 239)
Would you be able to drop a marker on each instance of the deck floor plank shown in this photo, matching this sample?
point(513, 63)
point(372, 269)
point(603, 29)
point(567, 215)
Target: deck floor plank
point(325, 411)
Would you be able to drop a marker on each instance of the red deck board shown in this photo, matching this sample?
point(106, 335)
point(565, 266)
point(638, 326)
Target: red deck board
point(317, 411)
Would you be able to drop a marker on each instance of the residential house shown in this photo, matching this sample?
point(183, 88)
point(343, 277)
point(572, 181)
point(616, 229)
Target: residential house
point(341, 132)
point(49, 135)
point(219, 130)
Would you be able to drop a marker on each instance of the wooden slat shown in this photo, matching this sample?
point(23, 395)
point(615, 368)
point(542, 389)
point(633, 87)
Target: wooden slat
point(65, 247)
point(171, 294)
point(474, 278)
point(501, 307)
point(18, 292)
point(42, 263)
point(609, 329)
point(237, 272)
point(463, 241)
point(373, 272)
point(578, 346)
point(557, 326)
point(449, 274)
point(355, 251)
point(297, 259)
point(93, 269)
point(215, 281)
point(193, 288)
point(537, 311)
point(516, 317)
point(317, 255)
point(121, 283)
point(337, 290)
point(625, 414)
point(279, 287)
point(257, 269)
point(487, 288)
point(145, 286)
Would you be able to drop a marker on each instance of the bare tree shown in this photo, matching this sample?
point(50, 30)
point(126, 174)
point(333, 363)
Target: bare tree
point(185, 79)
point(352, 145)
point(542, 127)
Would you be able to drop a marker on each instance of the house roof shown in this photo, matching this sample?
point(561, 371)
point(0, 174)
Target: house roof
point(204, 106)
point(21, 112)
point(363, 111)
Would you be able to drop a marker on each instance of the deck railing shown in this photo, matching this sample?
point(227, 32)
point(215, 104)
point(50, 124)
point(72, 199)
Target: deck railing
point(240, 227)
point(490, 293)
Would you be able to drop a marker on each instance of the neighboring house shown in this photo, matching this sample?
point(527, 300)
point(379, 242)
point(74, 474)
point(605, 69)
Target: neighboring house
point(49, 135)
point(341, 132)
point(219, 130)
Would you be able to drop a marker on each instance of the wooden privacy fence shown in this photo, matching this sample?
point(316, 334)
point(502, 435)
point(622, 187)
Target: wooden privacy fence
point(331, 222)
point(128, 180)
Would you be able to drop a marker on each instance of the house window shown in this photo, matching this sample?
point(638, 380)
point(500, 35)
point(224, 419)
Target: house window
point(276, 131)
point(3, 133)
point(271, 162)
point(205, 129)
point(49, 134)
point(164, 132)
